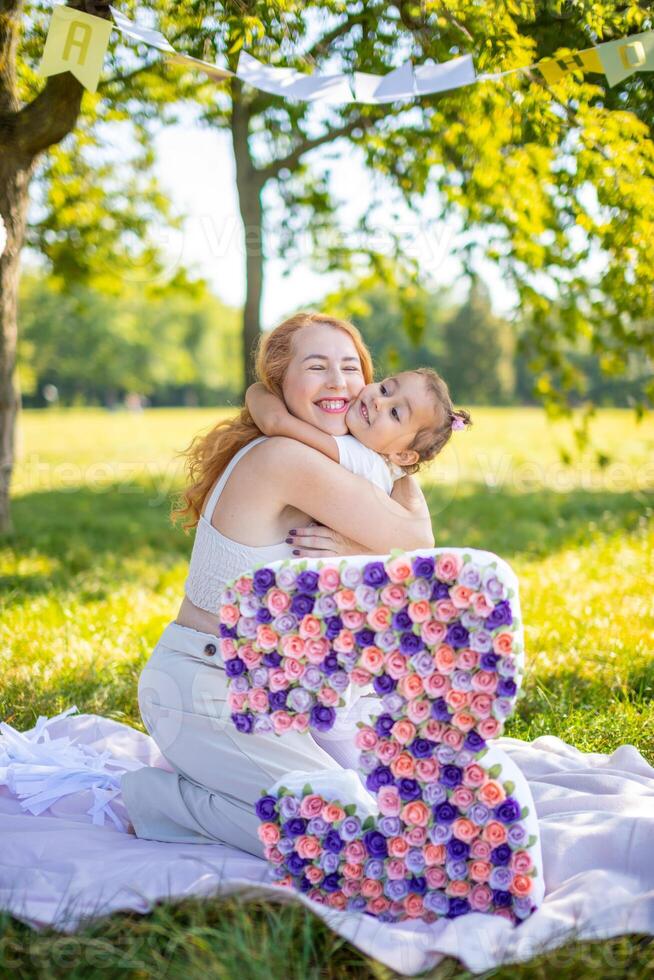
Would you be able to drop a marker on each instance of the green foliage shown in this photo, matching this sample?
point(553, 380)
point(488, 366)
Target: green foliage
point(168, 342)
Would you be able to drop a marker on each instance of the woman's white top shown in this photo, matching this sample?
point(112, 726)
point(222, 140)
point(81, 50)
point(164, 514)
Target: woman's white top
point(215, 559)
point(362, 461)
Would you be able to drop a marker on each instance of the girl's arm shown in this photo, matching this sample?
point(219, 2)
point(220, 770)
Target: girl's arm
point(303, 478)
point(273, 418)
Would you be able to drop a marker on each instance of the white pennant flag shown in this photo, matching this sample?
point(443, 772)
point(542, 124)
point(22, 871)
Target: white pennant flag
point(447, 75)
point(293, 84)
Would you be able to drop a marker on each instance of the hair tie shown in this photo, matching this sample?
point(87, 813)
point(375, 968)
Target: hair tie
point(457, 422)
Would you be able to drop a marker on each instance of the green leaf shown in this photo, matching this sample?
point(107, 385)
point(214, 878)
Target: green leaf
point(368, 823)
point(495, 770)
point(532, 840)
point(306, 789)
point(524, 812)
point(508, 787)
point(350, 809)
point(283, 791)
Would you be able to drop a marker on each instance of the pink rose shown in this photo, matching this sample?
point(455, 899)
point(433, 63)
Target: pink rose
point(328, 696)
point(463, 798)
point(484, 681)
point(372, 659)
point(273, 854)
point(403, 765)
point(366, 738)
point(419, 612)
point(489, 728)
point(300, 722)
point(379, 618)
point(481, 605)
point(352, 886)
point(480, 870)
point(314, 874)
point(378, 905)
point(316, 650)
point(404, 731)
point(293, 669)
point(410, 686)
point(277, 602)
point(415, 836)
point(307, 846)
point(427, 770)
point(418, 710)
point(353, 619)
point(464, 829)
point(360, 677)
point(464, 721)
point(467, 659)
point(480, 898)
point(237, 701)
point(258, 699)
point(396, 665)
point(432, 632)
point(353, 871)
point(503, 644)
point(389, 801)
point(311, 806)
point(436, 877)
point(345, 599)
point(457, 699)
point(243, 585)
point(355, 851)
point(293, 646)
point(436, 685)
point(328, 579)
point(371, 888)
point(393, 596)
point(281, 720)
point(229, 615)
point(453, 738)
point(480, 850)
point(520, 862)
point(414, 906)
point(387, 750)
point(445, 610)
point(249, 656)
point(332, 812)
point(460, 596)
point(277, 680)
point(433, 730)
point(395, 869)
point(481, 705)
point(266, 637)
point(398, 569)
point(448, 566)
point(473, 775)
point(228, 648)
point(309, 628)
point(445, 659)
point(344, 642)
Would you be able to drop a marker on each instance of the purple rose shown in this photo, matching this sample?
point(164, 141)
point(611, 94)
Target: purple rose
point(420, 589)
point(479, 814)
point(330, 664)
point(434, 793)
point(307, 582)
point(396, 889)
point(411, 643)
point(375, 844)
point(286, 577)
point(423, 663)
point(339, 680)
point(415, 860)
point(312, 678)
point(285, 622)
point(374, 868)
point(285, 845)
point(451, 776)
point(386, 640)
point(458, 850)
point(351, 576)
point(445, 754)
point(259, 676)
point(461, 680)
point(262, 725)
point(481, 641)
point(458, 870)
point(417, 884)
point(247, 627)
point(506, 688)
point(492, 585)
point(249, 605)
point(331, 883)
point(457, 635)
point(334, 626)
point(381, 776)
point(401, 620)
point(517, 834)
point(383, 684)
point(501, 855)
point(277, 700)
point(242, 722)
point(266, 808)
point(350, 828)
point(298, 699)
point(437, 901)
point(364, 638)
point(322, 717)
point(262, 580)
point(458, 906)
point(500, 878)
point(295, 863)
point(383, 725)
point(470, 576)
point(500, 616)
point(332, 841)
point(367, 598)
point(294, 827)
point(508, 810)
point(507, 667)
point(263, 615)
point(374, 574)
point(393, 702)
point(440, 710)
point(445, 813)
point(487, 661)
point(423, 566)
point(272, 659)
point(441, 833)
point(356, 904)
point(439, 591)
point(302, 604)
point(227, 632)
point(289, 806)
point(318, 826)
point(329, 861)
point(389, 826)
point(421, 748)
point(474, 742)
point(325, 606)
point(409, 789)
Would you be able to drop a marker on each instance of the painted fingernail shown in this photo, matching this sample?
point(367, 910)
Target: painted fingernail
point(288, 540)
point(296, 552)
point(292, 531)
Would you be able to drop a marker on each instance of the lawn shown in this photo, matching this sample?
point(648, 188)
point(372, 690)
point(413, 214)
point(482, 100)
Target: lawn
point(95, 570)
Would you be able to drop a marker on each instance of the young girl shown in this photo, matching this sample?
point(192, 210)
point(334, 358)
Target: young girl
point(394, 424)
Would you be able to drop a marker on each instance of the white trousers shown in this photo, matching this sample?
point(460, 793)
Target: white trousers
point(219, 772)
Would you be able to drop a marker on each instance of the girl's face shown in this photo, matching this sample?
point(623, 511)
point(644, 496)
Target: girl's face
point(387, 415)
point(323, 378)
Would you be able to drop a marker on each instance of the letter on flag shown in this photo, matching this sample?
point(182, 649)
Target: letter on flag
point(77, 43)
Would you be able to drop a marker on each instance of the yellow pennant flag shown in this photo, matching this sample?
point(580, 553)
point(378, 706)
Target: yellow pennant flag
point(77, 43)
point(625, 57)
point(553, 69)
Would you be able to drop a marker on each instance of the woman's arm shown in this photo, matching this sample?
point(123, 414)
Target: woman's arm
point(274, 419)
point(303, 478)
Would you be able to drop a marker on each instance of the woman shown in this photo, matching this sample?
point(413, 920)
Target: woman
point(246, 493)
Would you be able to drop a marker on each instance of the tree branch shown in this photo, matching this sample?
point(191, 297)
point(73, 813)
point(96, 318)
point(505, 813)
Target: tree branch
point(293, 158)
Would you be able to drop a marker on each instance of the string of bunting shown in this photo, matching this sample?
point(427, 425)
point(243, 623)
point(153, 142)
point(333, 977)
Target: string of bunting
point(77, 42)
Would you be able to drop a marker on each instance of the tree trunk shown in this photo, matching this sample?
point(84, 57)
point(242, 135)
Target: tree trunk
point(250, 185)
point(14, 195)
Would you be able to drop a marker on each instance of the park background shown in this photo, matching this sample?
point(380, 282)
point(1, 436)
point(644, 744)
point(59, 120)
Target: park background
point(502, 234)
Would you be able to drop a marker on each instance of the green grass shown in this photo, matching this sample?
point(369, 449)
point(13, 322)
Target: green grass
point(94, 571)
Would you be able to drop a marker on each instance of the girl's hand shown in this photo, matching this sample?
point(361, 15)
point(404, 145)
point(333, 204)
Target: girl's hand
point(318, 541)
point(268, 412)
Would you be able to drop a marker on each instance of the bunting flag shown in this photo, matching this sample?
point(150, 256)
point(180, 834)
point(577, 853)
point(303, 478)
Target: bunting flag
point(77, 42)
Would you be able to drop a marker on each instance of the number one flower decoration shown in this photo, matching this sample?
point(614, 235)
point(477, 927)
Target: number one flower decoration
point(446, 823)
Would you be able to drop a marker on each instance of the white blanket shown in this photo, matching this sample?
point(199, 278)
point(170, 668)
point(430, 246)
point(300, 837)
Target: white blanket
point(66, 857)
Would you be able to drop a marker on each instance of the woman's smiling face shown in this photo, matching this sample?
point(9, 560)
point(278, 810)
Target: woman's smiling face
point(323, 377)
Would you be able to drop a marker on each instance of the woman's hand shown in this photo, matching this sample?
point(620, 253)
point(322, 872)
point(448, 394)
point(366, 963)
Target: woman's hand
point(318, 541)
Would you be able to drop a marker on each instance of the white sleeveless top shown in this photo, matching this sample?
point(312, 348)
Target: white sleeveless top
point(216, 559)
